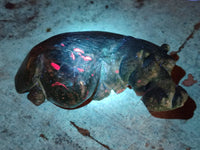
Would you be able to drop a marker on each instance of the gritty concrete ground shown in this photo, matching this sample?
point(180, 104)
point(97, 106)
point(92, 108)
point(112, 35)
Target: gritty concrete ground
point(119, 122)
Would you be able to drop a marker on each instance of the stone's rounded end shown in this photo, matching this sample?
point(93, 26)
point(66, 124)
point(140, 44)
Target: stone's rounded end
point(165, 47)
point(36, 96)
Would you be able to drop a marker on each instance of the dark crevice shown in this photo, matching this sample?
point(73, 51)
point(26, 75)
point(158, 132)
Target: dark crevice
point(195, 29)
point(85, 132)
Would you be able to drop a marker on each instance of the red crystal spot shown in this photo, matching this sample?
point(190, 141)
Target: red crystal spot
point(78, 50)
point(58, 84)
point(72, 56)
point(55, 66)
point(80, 69)
point(62, 44)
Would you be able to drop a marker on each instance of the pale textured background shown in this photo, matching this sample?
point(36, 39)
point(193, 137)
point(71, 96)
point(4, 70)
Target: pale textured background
point(119, 121)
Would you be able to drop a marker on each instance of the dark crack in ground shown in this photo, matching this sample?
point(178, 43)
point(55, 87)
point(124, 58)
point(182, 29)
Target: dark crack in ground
point(195, 29)
point(44, 137)
point(85, 132)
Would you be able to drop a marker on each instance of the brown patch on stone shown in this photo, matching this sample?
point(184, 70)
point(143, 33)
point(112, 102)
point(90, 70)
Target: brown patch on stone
point(189, 81)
